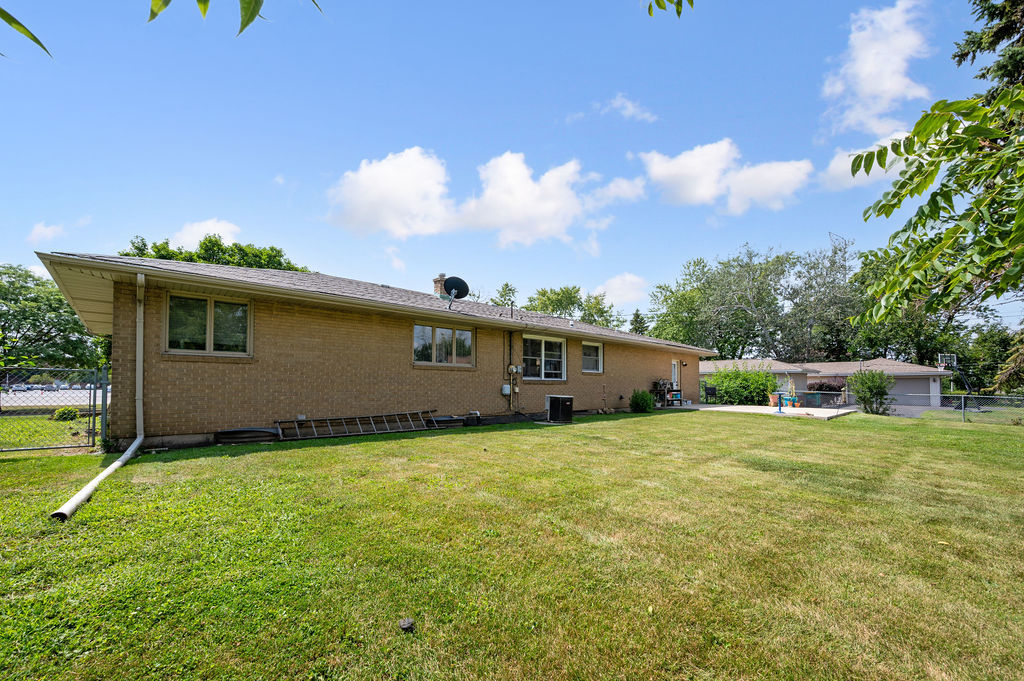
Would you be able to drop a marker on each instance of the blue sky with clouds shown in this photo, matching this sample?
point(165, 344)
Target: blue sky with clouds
point(534, 142)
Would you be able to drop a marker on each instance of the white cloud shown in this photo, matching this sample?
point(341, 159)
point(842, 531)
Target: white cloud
point(837, 175)
point(694, 176)
point(872, 79)
point(523, 210)
point(700, 176)
point(628, 109)
point(403, 194)
point(619, 189)
point(575, 116)
point(769, 185)
point(279, 179)
point(44, 232)
point(406, 194)
point(191, 233)
point(39, 271)
point(624, 288)
point(396, 262)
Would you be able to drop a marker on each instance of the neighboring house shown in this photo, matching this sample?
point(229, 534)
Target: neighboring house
point(914, 383)
point(227, 347)
point(783, 371)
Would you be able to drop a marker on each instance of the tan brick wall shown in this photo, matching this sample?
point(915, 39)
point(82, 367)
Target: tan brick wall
point(334, 362)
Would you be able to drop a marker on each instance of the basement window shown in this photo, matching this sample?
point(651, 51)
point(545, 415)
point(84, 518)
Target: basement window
point(201, 325)
point(544, 358)
point(442, 345)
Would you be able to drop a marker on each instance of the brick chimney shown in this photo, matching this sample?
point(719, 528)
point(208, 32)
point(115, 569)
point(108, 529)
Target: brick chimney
point(439, 284)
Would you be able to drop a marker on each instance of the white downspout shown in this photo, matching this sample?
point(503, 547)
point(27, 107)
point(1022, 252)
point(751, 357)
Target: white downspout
point(68, 509)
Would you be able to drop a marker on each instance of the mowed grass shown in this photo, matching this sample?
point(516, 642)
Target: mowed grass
point(669, 546)
point(995, 415)
point(40, 430)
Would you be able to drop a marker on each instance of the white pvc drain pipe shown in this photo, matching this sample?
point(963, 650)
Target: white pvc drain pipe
point(68, 509)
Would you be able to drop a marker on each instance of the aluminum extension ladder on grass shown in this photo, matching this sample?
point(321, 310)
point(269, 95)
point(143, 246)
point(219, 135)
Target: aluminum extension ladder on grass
point(342, 426)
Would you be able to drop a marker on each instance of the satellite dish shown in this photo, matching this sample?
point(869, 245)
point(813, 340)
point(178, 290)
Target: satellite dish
point(456, 288)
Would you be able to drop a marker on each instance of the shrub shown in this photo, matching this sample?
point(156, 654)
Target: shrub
point(871, 388)
point(65, 414)
point(641, 401)
point(742, 386)
point(825, 387)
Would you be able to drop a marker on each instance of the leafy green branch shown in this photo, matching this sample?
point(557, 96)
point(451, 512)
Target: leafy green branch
point(964, 243)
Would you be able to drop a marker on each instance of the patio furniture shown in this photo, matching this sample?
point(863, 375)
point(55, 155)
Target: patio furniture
point(711, 393)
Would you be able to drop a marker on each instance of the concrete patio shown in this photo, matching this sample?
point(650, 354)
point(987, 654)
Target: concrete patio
point(820, 413)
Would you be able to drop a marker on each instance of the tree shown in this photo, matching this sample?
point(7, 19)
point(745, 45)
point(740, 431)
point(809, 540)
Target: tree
point(560, 302)
point(1011, 374)
point(595, 310)
point(819, 297)
point(569, 302)
point(212, 249)
point(37, 322)
point(1004, 26)
point(506, 296)
point(962, 245)
point(638, 323)
point(733, 305)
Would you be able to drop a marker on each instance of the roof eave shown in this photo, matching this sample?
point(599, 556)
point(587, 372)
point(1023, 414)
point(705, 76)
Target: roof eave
point(335, 299)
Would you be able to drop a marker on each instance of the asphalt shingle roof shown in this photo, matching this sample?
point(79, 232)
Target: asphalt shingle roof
point(889, 366)
point(325, 284)
point(772, 365)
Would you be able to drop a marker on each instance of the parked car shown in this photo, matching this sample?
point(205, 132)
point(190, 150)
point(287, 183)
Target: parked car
point(76, 386)
point(50, 388)
point(19, 388)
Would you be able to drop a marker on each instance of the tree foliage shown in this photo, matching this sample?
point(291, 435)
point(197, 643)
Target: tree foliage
point(638, 323)
point(964, 243)
point(212, 249)
point(36, 323)
point(248, 10)
point(569, 302)
point(1002, 33)
point(871, 388)
point(506, 295)
point(742, 384)
point(1011, 373)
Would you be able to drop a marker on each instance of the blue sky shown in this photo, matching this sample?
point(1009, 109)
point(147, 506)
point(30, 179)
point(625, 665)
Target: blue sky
point(539, 143)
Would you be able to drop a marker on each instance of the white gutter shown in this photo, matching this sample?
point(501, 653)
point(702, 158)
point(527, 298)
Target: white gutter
point(68, 509)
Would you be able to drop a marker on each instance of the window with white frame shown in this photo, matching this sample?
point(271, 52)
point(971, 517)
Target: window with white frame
point(593, 358)
point(200, 324)
point(543, 358)
point(442, 345)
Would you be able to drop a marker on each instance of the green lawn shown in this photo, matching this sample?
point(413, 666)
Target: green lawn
point(20, 429)
point(1002, 416)
point(670, 546)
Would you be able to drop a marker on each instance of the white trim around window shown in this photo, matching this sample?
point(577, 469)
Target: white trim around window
point(588, 359)
point(544, 356)
point(204, 340)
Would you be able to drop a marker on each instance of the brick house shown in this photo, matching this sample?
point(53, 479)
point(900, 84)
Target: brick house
point(227, 347)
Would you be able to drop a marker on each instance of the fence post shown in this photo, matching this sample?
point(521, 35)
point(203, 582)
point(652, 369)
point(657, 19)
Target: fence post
point(963, 409)
point(103, 402)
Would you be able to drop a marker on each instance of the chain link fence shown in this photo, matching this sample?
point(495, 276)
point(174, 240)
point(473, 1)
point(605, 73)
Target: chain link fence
point(996, 409)
point(49, 408)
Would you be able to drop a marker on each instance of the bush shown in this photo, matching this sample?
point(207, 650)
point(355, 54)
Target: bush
point(742, 386)
point(641, 401)
point(825, 387)
point(65, 414)
point(871, 388)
